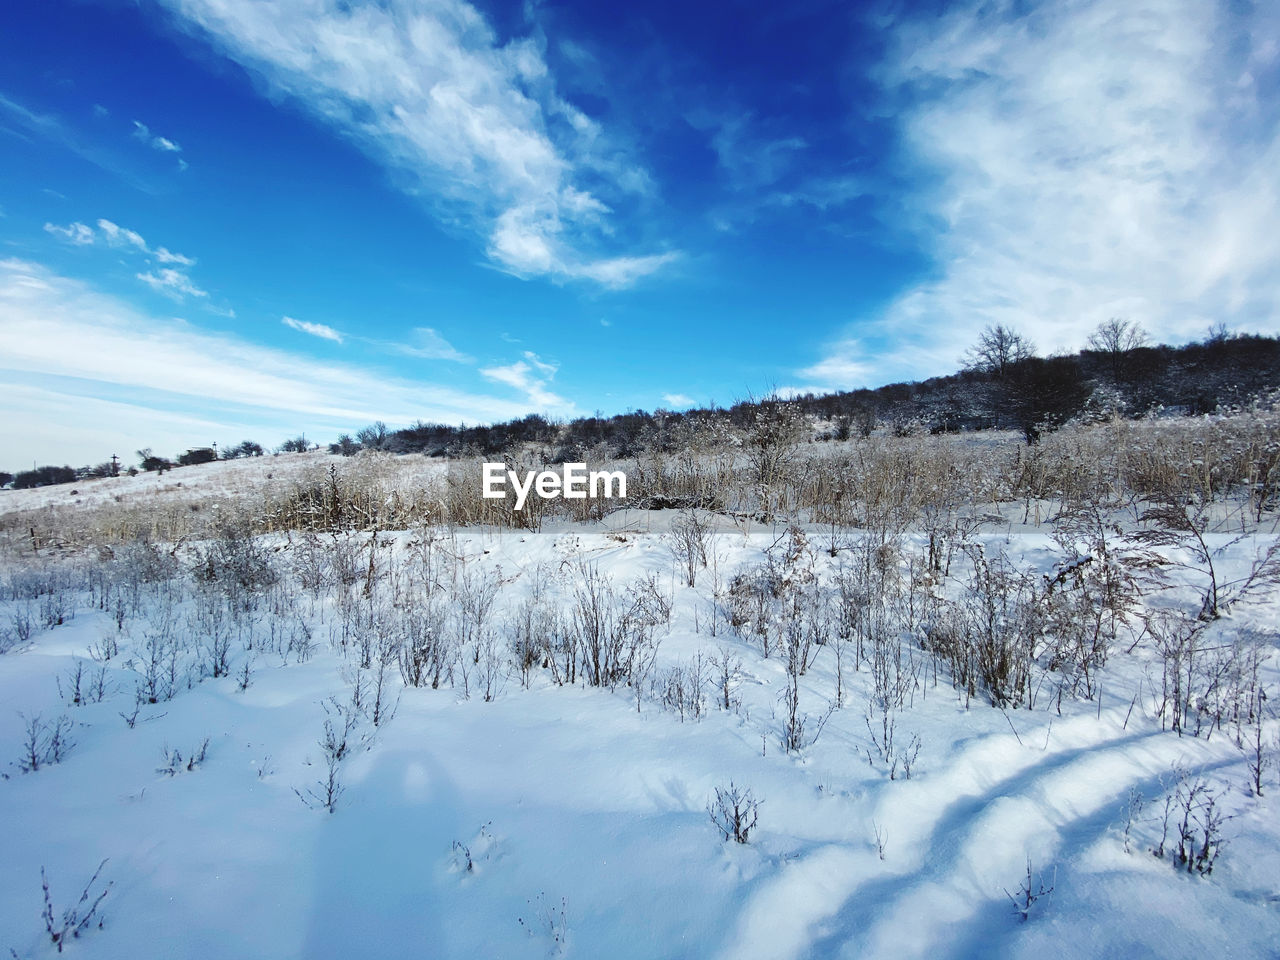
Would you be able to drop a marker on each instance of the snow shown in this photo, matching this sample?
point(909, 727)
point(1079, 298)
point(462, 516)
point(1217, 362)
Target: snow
point(571, 799)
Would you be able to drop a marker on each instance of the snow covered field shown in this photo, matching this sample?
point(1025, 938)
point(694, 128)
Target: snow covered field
point(247, 750)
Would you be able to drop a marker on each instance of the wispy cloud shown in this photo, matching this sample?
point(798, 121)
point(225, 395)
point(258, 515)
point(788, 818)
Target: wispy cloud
point(27, 124)
point(114, 235)
point(471, 121)
point(848, 364)
point(532, 375)
point(750, 155)
point(171, 282)
point(118, 236)
point(677, 400)
point(77, 233)
point(142, 132)
point(764, 166)
point(1078, 161)
point(54, 327)
point(423, 343)
point(427, 344)
point(313, 329)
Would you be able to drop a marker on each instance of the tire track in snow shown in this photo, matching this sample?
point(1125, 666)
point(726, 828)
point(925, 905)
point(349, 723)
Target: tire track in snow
point(980, 847)
point(842, 895)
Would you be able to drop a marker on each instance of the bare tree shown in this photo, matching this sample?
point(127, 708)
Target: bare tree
point(997, 350)
point(1116, 337)
point(374, 436)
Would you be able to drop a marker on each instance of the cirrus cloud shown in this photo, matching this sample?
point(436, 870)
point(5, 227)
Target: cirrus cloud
point(1070, 162)
point(84, 346)
point(474, 122)
point(313, 329)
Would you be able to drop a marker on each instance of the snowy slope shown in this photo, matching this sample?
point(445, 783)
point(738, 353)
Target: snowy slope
point(584, 810)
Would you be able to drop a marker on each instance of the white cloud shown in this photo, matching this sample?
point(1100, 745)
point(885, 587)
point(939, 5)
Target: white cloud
point(314, 329)
point(172, 283)
point(142, 132)
point(846, 365)
point(164, 255)
point(169, 280)
point(52, 328)
point(547, 369)
point(1078, 161)
point(58, 424)
point(532, 375)
point(114, 235)
point(117, 236)
point(474, 122)
point(426, 343)
point(676, 400)
point(619, 272)
point(78, 233)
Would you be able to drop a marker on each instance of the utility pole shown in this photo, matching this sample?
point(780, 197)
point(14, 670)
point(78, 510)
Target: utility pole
point(115, 465)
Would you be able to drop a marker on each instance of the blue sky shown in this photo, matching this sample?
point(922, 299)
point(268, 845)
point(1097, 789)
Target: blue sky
point(223, 219)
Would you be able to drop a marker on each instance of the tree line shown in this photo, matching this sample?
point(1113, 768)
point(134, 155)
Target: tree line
point(1003, 383)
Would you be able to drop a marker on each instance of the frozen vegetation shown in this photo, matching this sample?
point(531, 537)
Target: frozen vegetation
point(904, 696)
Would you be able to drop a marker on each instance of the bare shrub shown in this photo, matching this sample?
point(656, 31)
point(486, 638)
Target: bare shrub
point(236, 561)
point(776, 430)
point(799, 729)
point(83, 685)
point(549, 921)
point(1030, 892)
point(340, 738)
point(325, 793)
point(882, 725)
point(80, 916)
point(175, 762)
point(55, 610)
point(427, 648)
point(529, 629)
point(44, 742)
point(18, 632)
point(682, 689)
point(490, 666)
point(688, 542)
point(991, 638)
point(749, 603)
point(1183, 523)
point(613, 635)
point(726, 672)
point(1260, 754)
point(734, 811)
point(1194, 810)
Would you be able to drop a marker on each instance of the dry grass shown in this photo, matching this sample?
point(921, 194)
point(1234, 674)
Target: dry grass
point(882, 483)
